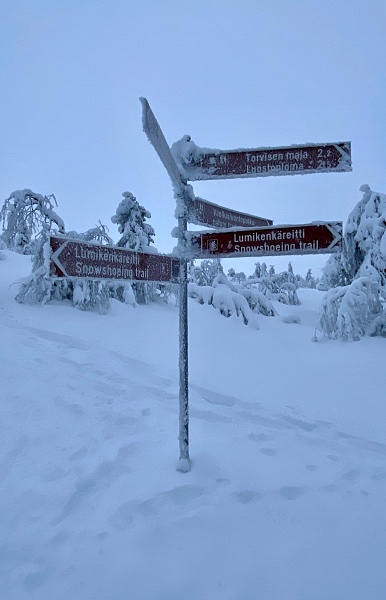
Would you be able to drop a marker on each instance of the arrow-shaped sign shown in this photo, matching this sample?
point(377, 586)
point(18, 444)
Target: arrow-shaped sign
point(74, 258)
point(55, 255)
point(263, 162)
point(312, 238)
point(203, 212)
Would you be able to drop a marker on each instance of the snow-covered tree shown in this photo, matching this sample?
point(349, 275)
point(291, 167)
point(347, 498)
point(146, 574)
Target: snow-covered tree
point(257, 271)
point(310, 281)
point(275, 286)
point(23, 215)
point(238, 277)
point(211, 268)
point(206, 272)
point(136, 235)
point(291, 276)
point(131, 217)
point(88, 294)
point(2, 247)
point(355, 305)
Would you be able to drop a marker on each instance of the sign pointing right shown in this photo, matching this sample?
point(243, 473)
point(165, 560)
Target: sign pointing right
point(312, 238)
point(262, 162)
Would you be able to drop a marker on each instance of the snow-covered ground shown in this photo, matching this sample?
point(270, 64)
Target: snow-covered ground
point(286, 498)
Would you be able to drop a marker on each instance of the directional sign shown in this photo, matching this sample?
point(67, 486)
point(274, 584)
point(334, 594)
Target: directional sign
point(262, 162)
point(159, 143)
point(74, 258)
point(313, 238)
point(202, 212)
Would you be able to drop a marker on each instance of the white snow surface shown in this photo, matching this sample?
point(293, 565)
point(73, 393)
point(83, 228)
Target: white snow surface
point(286, 497)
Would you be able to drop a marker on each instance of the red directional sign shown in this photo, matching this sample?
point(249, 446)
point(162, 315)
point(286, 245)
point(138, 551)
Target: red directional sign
point(313, 238)
point(74, 258)
point(262, 162)
point(202, 212)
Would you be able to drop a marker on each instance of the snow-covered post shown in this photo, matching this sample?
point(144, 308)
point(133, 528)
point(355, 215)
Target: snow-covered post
point(181, 194)
point(184, 462)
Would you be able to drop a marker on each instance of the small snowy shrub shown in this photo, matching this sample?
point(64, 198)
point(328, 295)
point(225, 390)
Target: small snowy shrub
point(2, 247)
point(348, 312)
point(37, 287)
point(91, 295)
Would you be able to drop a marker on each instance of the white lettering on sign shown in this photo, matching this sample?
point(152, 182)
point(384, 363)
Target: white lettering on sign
point(101, 255)
point(278, 167)
point(274, 248)
point(228, 216)
point(270, 236)
point(85, 270)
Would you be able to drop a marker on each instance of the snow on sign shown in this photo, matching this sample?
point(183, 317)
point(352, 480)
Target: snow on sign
point(313, 238)
point(262, 162)
point(202, 212)
point(159, 143)
point(74, 258)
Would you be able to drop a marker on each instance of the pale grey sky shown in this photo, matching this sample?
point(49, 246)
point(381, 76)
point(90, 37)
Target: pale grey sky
point(231, 74)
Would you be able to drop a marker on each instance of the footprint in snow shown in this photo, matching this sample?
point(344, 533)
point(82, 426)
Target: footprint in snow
point(246, 496)
point(179, 496)
point(291, 492)
point(351, 475)
point(268, 451)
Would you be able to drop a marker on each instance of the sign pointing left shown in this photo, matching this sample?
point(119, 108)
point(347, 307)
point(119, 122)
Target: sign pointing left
point(74, 258)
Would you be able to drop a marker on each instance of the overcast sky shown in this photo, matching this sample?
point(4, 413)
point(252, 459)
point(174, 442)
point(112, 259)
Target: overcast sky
point(250, 73)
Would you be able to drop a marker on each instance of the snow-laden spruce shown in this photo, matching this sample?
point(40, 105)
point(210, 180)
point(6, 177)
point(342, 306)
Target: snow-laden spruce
point(137, 235)
point(355, 304)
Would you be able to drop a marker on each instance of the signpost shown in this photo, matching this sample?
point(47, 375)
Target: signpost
point(262, 162)
point(202, 212)
point(263, 239)
point(74, 258)
point(313, 238)
point(159, 143)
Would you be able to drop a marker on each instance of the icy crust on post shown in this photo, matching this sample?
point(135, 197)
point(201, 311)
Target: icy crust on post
point(183, 197)
point(195, 162)
point(186, 153)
